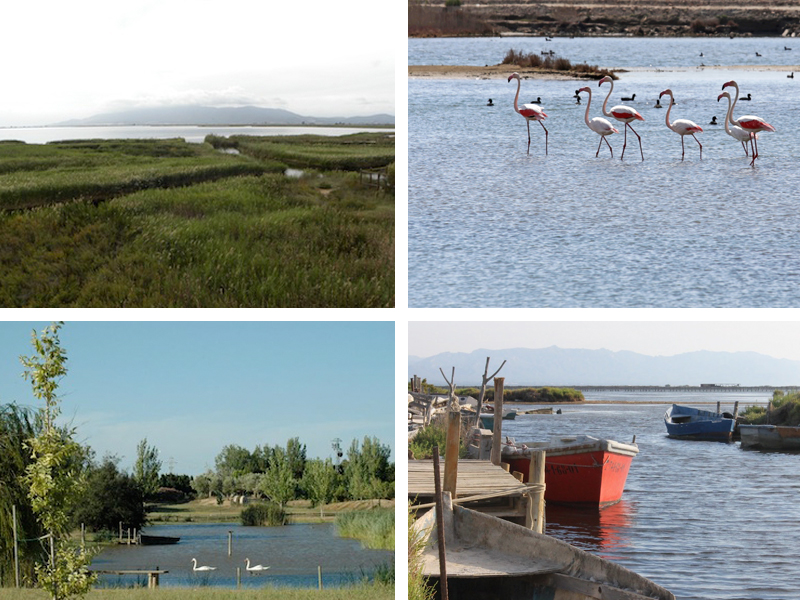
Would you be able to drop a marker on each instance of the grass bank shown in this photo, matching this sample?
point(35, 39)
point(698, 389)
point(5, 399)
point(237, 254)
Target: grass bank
point(184, 225)
point(374, 528)
point(356, 592)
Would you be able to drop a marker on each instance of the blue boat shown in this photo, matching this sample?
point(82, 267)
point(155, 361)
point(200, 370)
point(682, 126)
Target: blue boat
point(686, 423)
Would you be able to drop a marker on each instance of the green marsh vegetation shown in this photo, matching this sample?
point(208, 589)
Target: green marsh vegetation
point(785, 411)
point(374, 528)
point(121, 223)
point(359, 591)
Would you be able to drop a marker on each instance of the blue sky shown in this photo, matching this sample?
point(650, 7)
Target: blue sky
point(191, 388)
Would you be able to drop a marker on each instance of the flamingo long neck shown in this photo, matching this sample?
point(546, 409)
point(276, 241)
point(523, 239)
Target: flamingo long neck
point(516, 98)
point(605, 102)
point(728, 116)
point(588, 104)
point(733, 106)
point(669, 108)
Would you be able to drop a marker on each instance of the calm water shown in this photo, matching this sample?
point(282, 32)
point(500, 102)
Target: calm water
point(191, 133)
point(707, 520)
point(494, 227)
point(293, 554)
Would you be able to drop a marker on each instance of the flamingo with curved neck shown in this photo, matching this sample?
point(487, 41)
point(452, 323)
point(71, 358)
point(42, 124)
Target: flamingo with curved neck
point(735, 132)
point(623, 114)
point(682, 127)
point(531, 112)
point(599, 125)
point(749, 123)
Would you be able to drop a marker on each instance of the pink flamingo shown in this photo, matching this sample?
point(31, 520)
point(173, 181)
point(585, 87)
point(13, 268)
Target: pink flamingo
point(735, 132)
point(623, 114)
point(752, 125)
point(682, 127)
point(531, 112)
point(599, 125)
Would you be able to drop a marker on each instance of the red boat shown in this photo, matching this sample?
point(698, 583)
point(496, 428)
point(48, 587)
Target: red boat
point(581, 470)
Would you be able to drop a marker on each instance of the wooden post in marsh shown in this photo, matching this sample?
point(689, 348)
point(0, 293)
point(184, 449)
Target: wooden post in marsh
point(453, 441)
point(16, 545)
point(440, 541)
point(486, 379)
point(718, 407)
point(735, 410)
point(535, 516)
point(230, 542)
point(769, 411)
point(319, 575)
point(497, 434)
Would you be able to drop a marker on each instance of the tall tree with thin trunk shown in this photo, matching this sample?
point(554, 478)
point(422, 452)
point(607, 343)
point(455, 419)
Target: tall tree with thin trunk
point(55, 477)
point(147, 468)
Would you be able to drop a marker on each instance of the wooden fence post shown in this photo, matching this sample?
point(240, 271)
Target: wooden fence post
point(535, 517)
point(497, 434)
point(451, 449)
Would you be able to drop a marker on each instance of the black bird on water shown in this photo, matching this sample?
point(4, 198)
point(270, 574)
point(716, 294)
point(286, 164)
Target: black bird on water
point(490, 103)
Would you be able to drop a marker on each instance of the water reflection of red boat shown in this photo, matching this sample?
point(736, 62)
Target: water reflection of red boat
point(601, 531)
point(579, 470)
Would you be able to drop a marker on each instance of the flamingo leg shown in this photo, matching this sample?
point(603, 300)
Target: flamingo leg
point(624, 142)
point(528, 123)
point(744, 146)
point(598, 147)
point(699, 144)
point(640, 139)
point(683, 148)
point(545, 137)
point(610, 149)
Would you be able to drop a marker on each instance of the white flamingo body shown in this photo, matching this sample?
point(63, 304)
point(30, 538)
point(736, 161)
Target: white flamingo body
point(750, 123)
point(255, 568)
point(734, 131)
point(599, 125)
point(623, 114)
point(202, 568)
point(531, 112)
point(682, 127)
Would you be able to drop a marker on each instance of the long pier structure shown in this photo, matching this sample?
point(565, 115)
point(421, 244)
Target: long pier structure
point(711, 388)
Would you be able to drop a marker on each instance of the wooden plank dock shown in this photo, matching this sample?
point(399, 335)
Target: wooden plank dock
point(493, 490)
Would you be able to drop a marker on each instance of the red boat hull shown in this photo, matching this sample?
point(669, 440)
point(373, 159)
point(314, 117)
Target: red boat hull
point(588, 478)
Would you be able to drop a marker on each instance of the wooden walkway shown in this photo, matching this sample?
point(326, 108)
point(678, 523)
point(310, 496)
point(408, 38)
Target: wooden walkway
point(495, 490)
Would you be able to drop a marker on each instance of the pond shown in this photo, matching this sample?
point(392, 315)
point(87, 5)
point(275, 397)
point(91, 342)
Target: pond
point(293, 554)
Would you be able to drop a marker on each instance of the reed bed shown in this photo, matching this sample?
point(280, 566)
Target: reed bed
point(550, 62)
point(205, 229)
point(375, 528)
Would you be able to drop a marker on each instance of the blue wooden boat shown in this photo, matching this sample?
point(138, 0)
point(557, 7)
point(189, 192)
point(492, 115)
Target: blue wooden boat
point(487, 419)
point(687, 423)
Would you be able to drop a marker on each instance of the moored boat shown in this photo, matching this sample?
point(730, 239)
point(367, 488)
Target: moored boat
point(157, 540)
point(581, 470)
point(487, 557)
point(685, 422)
point(770, 437)
point(487, 419)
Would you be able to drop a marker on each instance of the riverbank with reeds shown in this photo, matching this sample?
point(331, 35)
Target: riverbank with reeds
point(164, 223)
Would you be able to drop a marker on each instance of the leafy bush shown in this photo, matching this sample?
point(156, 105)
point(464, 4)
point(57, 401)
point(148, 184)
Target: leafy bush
point(552, 63)
point(263, 514)
point(434, 434)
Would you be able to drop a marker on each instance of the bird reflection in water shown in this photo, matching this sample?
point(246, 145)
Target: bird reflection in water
point(604, 532)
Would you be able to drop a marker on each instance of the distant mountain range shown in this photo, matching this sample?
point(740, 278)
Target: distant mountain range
point(207, 115)
point(558, 366)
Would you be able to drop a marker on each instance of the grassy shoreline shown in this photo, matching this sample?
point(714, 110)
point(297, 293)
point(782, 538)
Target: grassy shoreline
point(357, 592)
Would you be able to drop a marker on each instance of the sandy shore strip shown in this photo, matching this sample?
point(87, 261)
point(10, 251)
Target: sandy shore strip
point(503, 71)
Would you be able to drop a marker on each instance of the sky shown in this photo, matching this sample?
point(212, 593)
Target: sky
point(662, 338)
point(192, 388)
point(76, 59)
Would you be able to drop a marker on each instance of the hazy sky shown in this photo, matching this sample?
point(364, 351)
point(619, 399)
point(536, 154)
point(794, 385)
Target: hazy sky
point(777, 339)
point(75, 59)
point(191, 388)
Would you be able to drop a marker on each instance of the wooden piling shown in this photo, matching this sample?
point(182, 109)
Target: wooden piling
point(736, 410)
point(230, 542)
point(497, 433)
point(319, 575)
point(535, 517)
point(452, 445)
point(440, 526)
point(718, 407)
point(238, 577)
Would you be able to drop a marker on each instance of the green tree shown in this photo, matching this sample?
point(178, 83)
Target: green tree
point(234, 460)
point(368, 473)
point(147, 468)
point(54, 477)
point(321, 481)
point(17, 425)
point(111, 497)
point(278, 482)
point(296, 455)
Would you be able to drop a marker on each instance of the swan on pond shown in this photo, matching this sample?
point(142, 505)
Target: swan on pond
point(255, 568)
point(203, 568)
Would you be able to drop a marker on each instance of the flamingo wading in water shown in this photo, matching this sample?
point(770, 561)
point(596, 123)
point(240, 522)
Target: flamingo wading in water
point(204, 568)
point(682, 127)
point(735, 132)
point(531, 112)
point(599, 125)
point(749, 123)
point(623, 114)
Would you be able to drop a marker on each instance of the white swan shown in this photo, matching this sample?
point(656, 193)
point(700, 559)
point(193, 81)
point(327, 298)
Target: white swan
point(255, 568)
point(205, 568)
